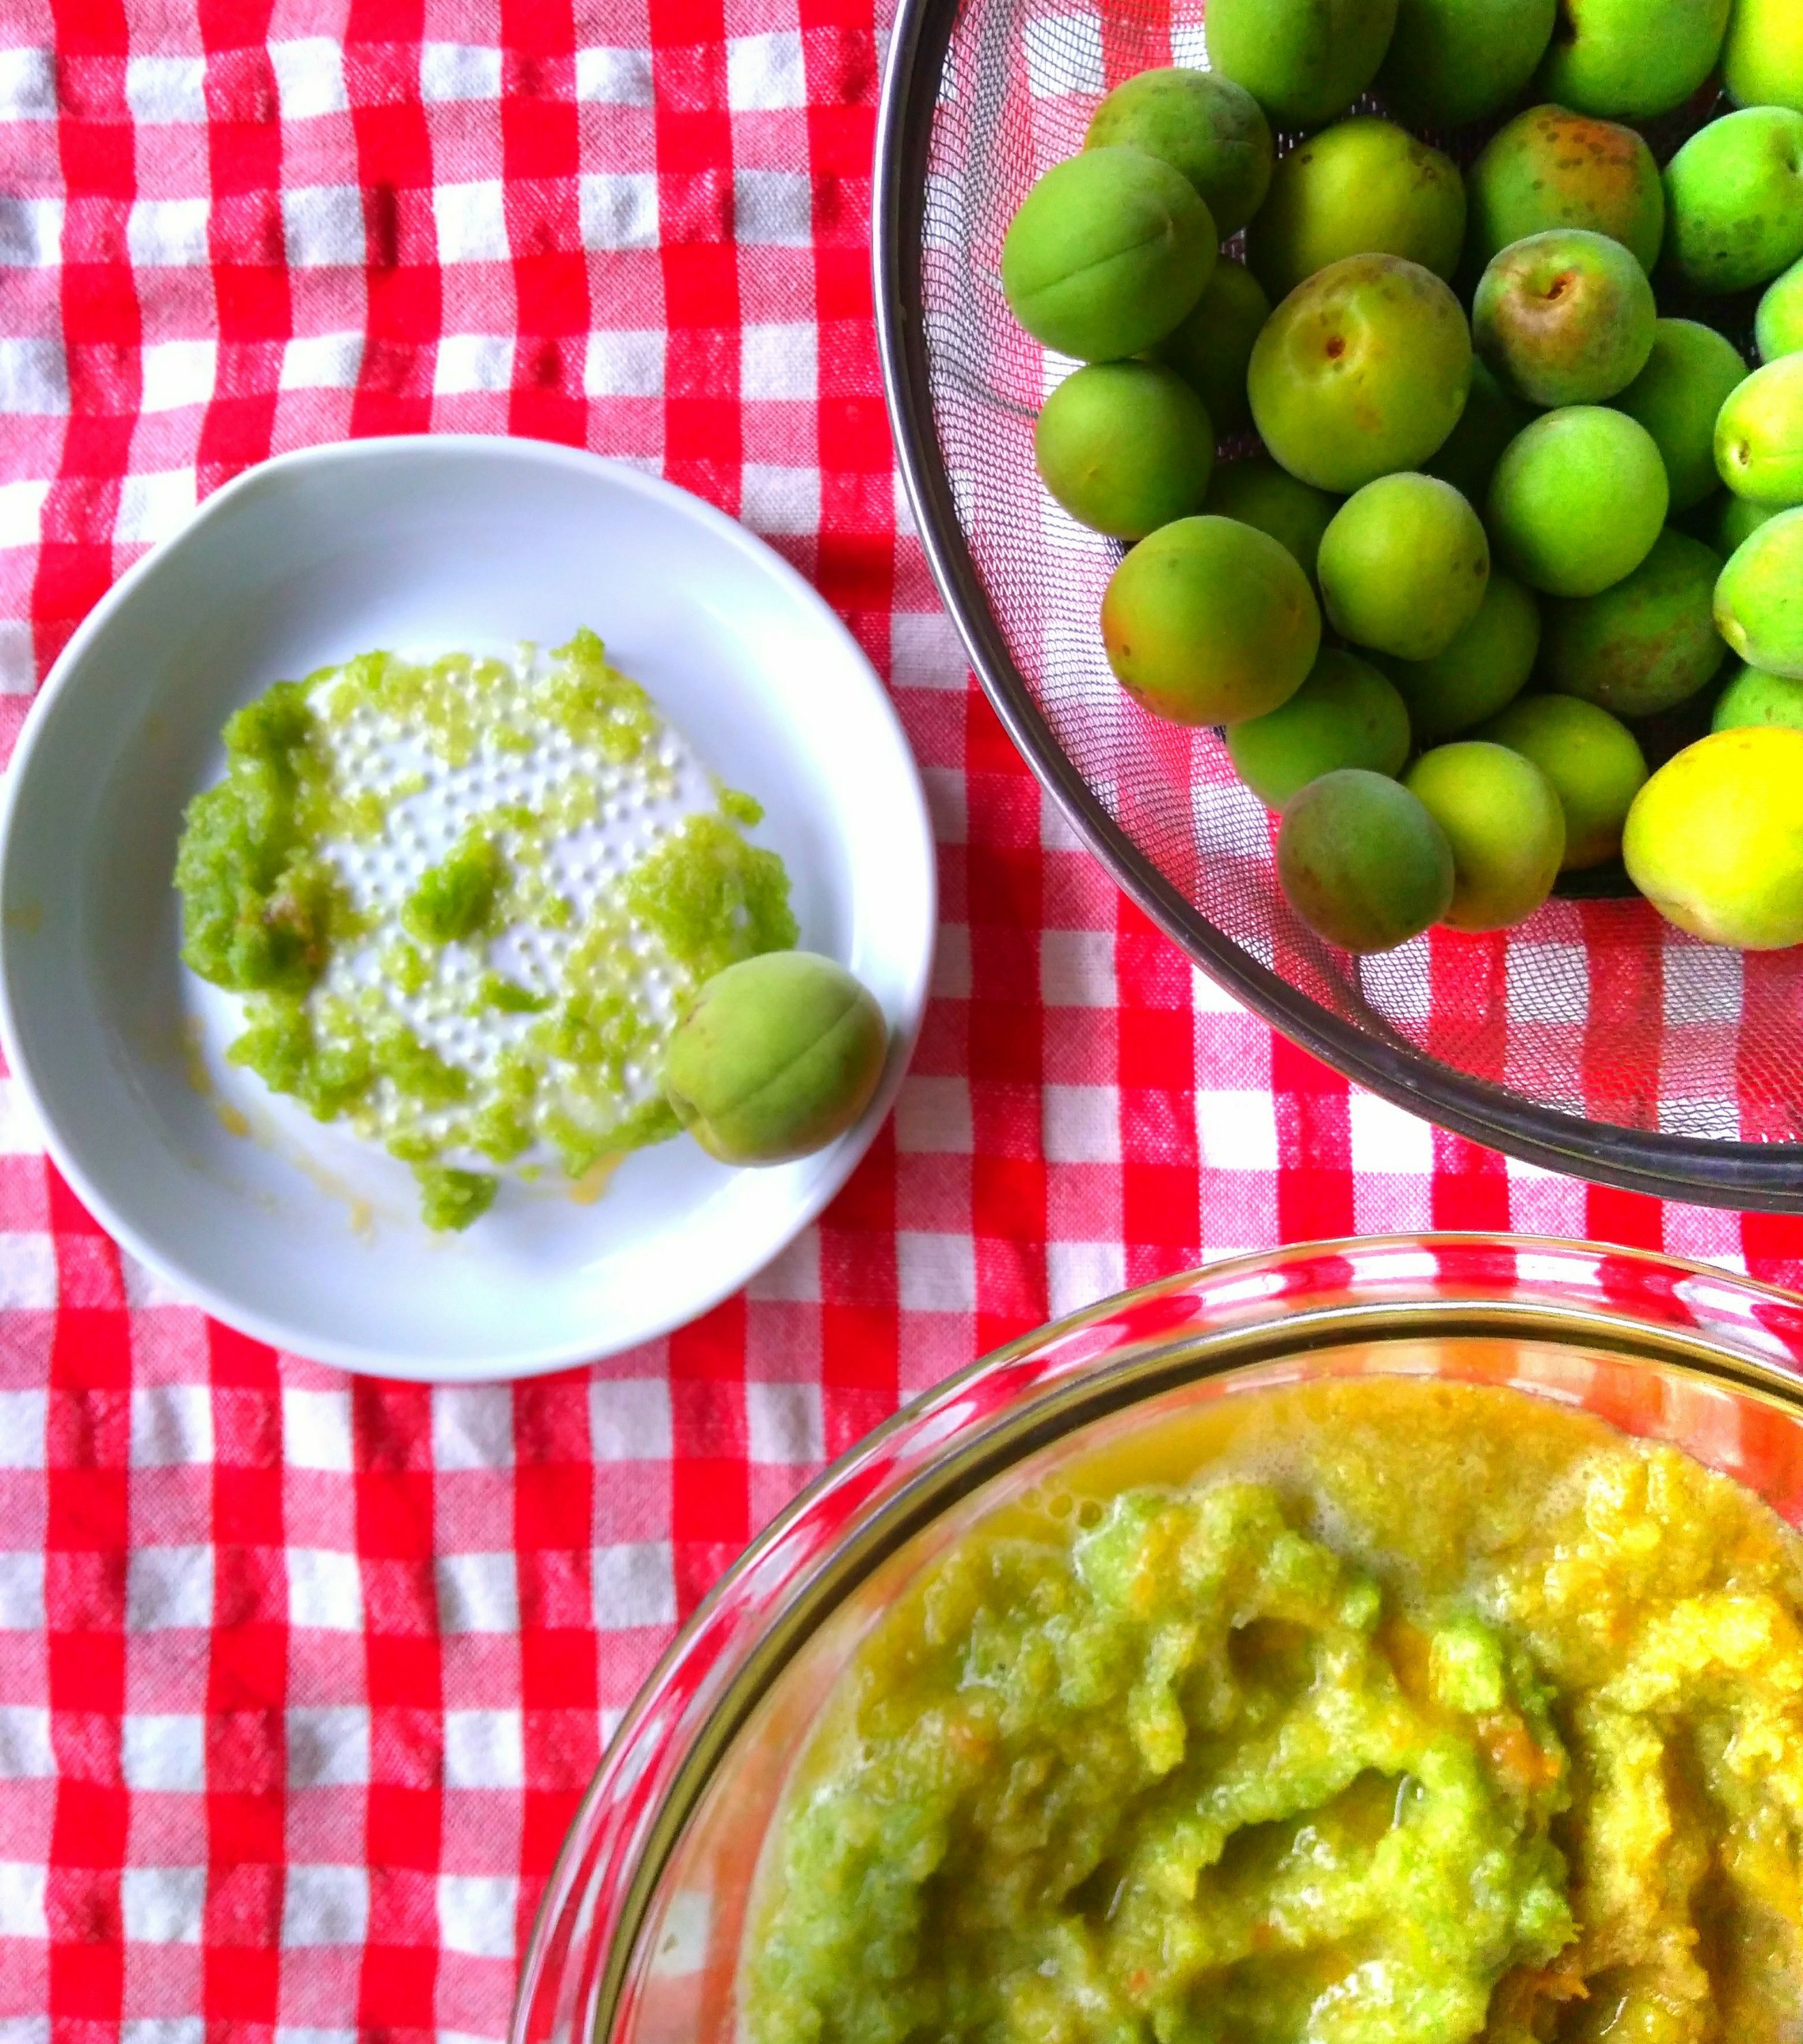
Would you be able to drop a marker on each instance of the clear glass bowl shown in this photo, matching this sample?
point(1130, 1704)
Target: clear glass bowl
point(637, 1936)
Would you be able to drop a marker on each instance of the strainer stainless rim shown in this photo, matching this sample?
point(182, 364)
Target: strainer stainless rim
point(1766, 1176)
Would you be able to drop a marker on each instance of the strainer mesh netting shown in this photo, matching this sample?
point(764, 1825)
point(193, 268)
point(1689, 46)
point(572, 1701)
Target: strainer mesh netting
point(1594, 1009)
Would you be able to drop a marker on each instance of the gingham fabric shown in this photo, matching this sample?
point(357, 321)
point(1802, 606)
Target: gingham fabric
point(301, 1677)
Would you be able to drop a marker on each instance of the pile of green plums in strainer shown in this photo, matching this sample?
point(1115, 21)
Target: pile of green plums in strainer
point(1508, 520)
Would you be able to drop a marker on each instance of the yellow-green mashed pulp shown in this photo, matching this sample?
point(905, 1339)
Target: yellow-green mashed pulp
point(571, 1021)
point(1375, 1712)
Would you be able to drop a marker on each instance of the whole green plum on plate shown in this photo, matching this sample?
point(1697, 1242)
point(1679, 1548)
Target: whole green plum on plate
point(1106, 254)
point(1759, 600)
point(1304, 61)
point(1679, 397)
point(1551, 168)
point(1577, 500)
point(1503, 820)
point(1363, 186)
point(1593, 761)
point(1645, 644)
point(1361, 371)
point(779, 1056)
point(1345, 714)
point(1452, 62)
point(1403, 566)
point(1484, 670)
point(1734, 201)
point(1208, 621)
point(1210, 347)
point(1212, 130)
point(1362, 862)
point(1126, 446)
point(1257, 491)
point(1715, 839)
point(1632, 59)
point(1565, 317)
point(1759, 436)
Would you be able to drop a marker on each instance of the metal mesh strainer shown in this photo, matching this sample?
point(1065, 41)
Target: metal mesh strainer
point(1594, 1039)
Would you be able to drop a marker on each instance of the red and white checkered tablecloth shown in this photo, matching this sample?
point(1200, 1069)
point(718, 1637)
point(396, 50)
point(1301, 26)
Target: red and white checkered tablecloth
point(301, 1677)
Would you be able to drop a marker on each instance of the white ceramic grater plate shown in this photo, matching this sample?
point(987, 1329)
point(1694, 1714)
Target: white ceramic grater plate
point(301, 1235)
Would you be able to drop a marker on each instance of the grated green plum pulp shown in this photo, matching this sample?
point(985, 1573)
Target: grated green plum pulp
point(573, 961)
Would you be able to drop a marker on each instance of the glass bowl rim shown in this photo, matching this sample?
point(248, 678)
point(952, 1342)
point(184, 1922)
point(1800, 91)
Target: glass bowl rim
point(1680, 1315)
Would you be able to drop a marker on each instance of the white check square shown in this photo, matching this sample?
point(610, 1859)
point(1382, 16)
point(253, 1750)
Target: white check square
point(325, 1905)
point(309, 77)
point(484, 1749)
point(316, 1431)
point(478, 1593)
point(477, 1913)
point(325, 1590)
point(328, 1745)
point(171, 1425)
point(471, 221)
point(178, 374)
point(784, 1424)
point(625, 362)
point(163, 1751)
point(162, 1905)
point(764, 72)
point(937, 1272)
point(633, 1584)
point(168, 1589)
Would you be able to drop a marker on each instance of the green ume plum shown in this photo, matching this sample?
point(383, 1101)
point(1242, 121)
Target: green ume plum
point(1303, 60)
point(1362, 863)
point(1212, 343)
point(1758, 601)
point(1593, 761)
point(1734, 201)
point(1632, 58)
point(1491, 419)
point(1485, 668)
point(1753, 696)
point(1451, 61)
point(1212, 130)
point(1759, 436)
point(1777, 328)
point(1647, 642)
point(1126, 446)
point(1210, 621)
point(1403, 566)
point(1566, 317)
point(1258, 492)
point(1762, 61)
point(1106, 253)
point(1577, 500)
point(1363, 187)
point(1550, 168)
point(1677, 398)
point(1737, 521)
point(1715, 839)
point(779, 1056)
point(1345, 714)
point(1361, 371)
point(1503, 821)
